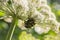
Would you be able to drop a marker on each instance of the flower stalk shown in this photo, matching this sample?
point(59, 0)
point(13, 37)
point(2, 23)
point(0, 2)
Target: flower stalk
point(12, 28)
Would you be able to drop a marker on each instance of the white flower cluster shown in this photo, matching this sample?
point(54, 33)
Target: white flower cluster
point(44, 17)
point(39, 11)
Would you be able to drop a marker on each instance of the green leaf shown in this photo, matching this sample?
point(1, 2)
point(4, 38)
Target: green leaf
point(58, 12)
point(2, 13)
point(52, 33)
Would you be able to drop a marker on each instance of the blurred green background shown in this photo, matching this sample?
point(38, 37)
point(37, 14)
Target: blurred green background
point(55, 6)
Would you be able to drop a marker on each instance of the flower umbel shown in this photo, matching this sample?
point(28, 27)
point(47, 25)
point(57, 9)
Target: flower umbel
point(31, 14)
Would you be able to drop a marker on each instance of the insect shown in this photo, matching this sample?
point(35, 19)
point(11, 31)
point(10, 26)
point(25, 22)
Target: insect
point(29, 23)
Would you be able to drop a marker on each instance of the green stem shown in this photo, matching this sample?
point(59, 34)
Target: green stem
point(12, 28)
